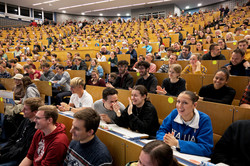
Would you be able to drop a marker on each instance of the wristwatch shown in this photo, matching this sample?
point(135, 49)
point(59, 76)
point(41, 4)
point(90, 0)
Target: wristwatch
point(70, 108)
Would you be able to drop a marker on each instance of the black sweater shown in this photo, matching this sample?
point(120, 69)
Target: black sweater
point(174, 89)
point(18, 145)
point(124, 82)
point(234, 146)
point(143, 120)
point(150, 83)
point(224, 95)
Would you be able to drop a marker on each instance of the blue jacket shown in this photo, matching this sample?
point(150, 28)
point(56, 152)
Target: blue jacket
point(195, 138)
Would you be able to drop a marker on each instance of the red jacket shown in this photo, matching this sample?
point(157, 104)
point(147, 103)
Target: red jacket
point(49, 150)
point(33, 24)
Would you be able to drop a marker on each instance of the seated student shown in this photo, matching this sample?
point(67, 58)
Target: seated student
point(186, 128)
point(111, 78)
point(61, 79)
point(195, 66)
point(95, 65)
point(50, 143)
point(124, 80)
point(173, 85)
point(238, 65)
point(243, 45)
point(3, 72)
point(18, 89)
point(165, 67)
point(133, 54)
point(223, 45)
point(218, 91)
point(55, 62)
point(113, 59)
point(214, 53)
point(105, 106)
point(85, 147)
point(79, 64)
point(192, 41)
point(104, 50)
point(150, 58)
point(47, 73)
point(147, 79)
point(33, 74)
point(87, 58)
point(233, 147)
point(147, 46)
point(79, 99)
point(135, 67)
point(95, 79)
point(185, 53)
point(140, 115)
point(155, 153)
point(100, 57)
point(69, 64)
point(17, 146)
point(245, 100)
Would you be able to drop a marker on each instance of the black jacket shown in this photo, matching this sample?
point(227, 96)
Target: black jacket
point(143, 120)
point(18, 145)
point(209, 57)
point(234, 146)
point(124, 82)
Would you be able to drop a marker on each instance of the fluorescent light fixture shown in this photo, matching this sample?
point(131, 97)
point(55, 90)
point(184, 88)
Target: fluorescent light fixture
point(15, 10)
point(154, 2)
point(39, 14)
point(63, 11)
point(85, 4)
point(127, 14)
point(101, 14)
point(138, 4)
point(199, 4)
point(83, 13)
point(118, 14)
point(187, 7)
point(88, 11)
point(45, 2)
point(42, 8)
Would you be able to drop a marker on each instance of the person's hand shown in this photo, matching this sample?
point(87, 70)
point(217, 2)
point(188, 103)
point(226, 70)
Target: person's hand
point(228, 67)
point(105, 118)
point(130, 107)
point(246, 64)
point(201, 98)
point(130, 89)
point(35, 76)
point(170, 139)
point(109, 85)
point(116, 108)
point(161, 92)
point(61, 108)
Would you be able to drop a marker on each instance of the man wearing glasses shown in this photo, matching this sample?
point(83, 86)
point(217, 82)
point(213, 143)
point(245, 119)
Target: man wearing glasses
point(50, 143)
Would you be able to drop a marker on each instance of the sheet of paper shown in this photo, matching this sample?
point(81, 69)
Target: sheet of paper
point(191, 158)
point(125, 132)
point(68, 113)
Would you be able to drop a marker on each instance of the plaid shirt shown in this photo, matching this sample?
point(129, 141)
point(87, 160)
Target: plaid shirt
point(5, 74)
point(246, 96)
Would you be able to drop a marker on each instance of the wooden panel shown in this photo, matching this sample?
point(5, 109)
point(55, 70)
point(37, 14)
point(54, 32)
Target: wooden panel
point(123, 96)
point(44, 87)
point(77, 73)
point(1, 106)
point(239, 83)
point(221, 115)
point(125, 57)
point(115, 145)
point(160, 77)
point(212, 66)
point(183, 63)
point(163, 104)
point(193, 82)
point(132, 151)
point(67, 122)
point(95, 91)
point(241, 113)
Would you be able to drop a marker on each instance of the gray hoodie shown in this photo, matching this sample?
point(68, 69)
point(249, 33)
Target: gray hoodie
point(31, 91)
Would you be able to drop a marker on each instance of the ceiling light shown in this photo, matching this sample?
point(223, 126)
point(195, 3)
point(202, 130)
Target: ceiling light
point(83, 13)
point(127, 14)
point(15, 10)
point(101, 14)
point(154, 2)
point(42, 8)
point(85, 4)
point(199, 4)
point(63, 11)
point(138, 4)
point(39, 14)
point(87, 11)
point(35, 4)
point(118, 14)
point(187, 7)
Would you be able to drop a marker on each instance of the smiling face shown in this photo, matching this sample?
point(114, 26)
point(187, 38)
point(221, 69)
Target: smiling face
point(79, 132)
point(219, 80)
point(236, 58)
point(193, 59)
point(111, 100)
point(137, 99)
point(185, 107)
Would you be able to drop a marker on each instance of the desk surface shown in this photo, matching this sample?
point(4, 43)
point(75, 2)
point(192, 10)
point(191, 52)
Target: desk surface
point(122, 149)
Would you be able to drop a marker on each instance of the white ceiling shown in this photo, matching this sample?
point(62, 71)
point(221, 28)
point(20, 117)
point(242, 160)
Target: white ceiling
point(103, 4)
